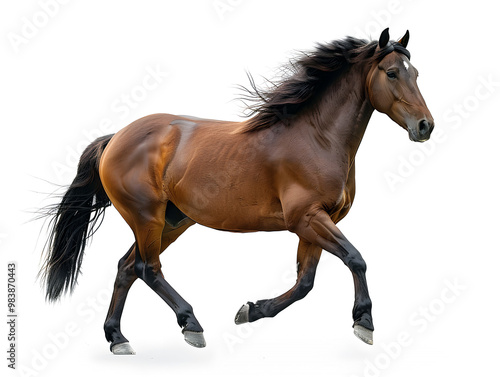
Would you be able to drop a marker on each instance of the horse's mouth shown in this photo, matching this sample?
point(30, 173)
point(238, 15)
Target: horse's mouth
point(416, 139)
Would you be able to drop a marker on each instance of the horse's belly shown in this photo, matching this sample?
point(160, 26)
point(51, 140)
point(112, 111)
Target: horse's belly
point(231, 215)
point(228, 201)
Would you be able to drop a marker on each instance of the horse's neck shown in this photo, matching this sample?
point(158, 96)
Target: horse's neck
point(340, 117)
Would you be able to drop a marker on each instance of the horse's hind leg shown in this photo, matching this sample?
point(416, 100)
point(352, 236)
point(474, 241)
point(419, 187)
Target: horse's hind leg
point(151, 236)
point(125, 277)
point(307, 260)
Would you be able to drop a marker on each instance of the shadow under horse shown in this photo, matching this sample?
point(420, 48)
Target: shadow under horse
point(289, 166)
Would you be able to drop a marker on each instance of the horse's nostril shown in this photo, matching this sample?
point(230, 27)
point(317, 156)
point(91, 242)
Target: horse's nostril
point(423, 126)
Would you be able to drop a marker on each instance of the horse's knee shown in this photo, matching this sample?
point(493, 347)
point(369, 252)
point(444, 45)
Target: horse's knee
point(304, 286)
point(356, 264)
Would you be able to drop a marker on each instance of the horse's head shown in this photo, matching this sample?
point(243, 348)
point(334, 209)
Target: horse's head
point(392, 88)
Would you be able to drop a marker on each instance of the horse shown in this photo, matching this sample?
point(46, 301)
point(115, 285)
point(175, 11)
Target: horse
point(290, 165)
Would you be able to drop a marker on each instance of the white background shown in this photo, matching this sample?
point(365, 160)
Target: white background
point(433, 227)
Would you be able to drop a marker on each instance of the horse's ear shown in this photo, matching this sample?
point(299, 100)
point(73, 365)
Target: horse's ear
point(384, 38)
point(404, 41)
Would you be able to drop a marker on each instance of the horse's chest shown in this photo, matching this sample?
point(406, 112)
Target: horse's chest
point(343, 202)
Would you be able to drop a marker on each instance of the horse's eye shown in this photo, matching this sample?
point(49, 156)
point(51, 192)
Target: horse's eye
point(391, 75)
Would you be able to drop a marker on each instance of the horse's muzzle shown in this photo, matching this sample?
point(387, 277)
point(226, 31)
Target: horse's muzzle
point(422, 132)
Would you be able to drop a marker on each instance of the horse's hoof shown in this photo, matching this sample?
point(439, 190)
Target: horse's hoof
point(242, 315)
point(122, 349)
point(364, 334)
point(195, 339)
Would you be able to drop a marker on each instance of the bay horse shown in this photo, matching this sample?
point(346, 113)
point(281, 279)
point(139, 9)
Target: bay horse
point(289, 166)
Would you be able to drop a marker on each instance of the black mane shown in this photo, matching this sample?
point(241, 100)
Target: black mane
point(307, 77)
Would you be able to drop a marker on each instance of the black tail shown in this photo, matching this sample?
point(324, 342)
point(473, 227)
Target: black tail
point(73, 221)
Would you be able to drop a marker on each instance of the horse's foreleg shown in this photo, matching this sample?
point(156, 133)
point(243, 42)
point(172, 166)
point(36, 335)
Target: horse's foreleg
point(124, 280)
point(307, 260)
point(318, 228)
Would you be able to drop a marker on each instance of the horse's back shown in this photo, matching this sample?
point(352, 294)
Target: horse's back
point(147, 143)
